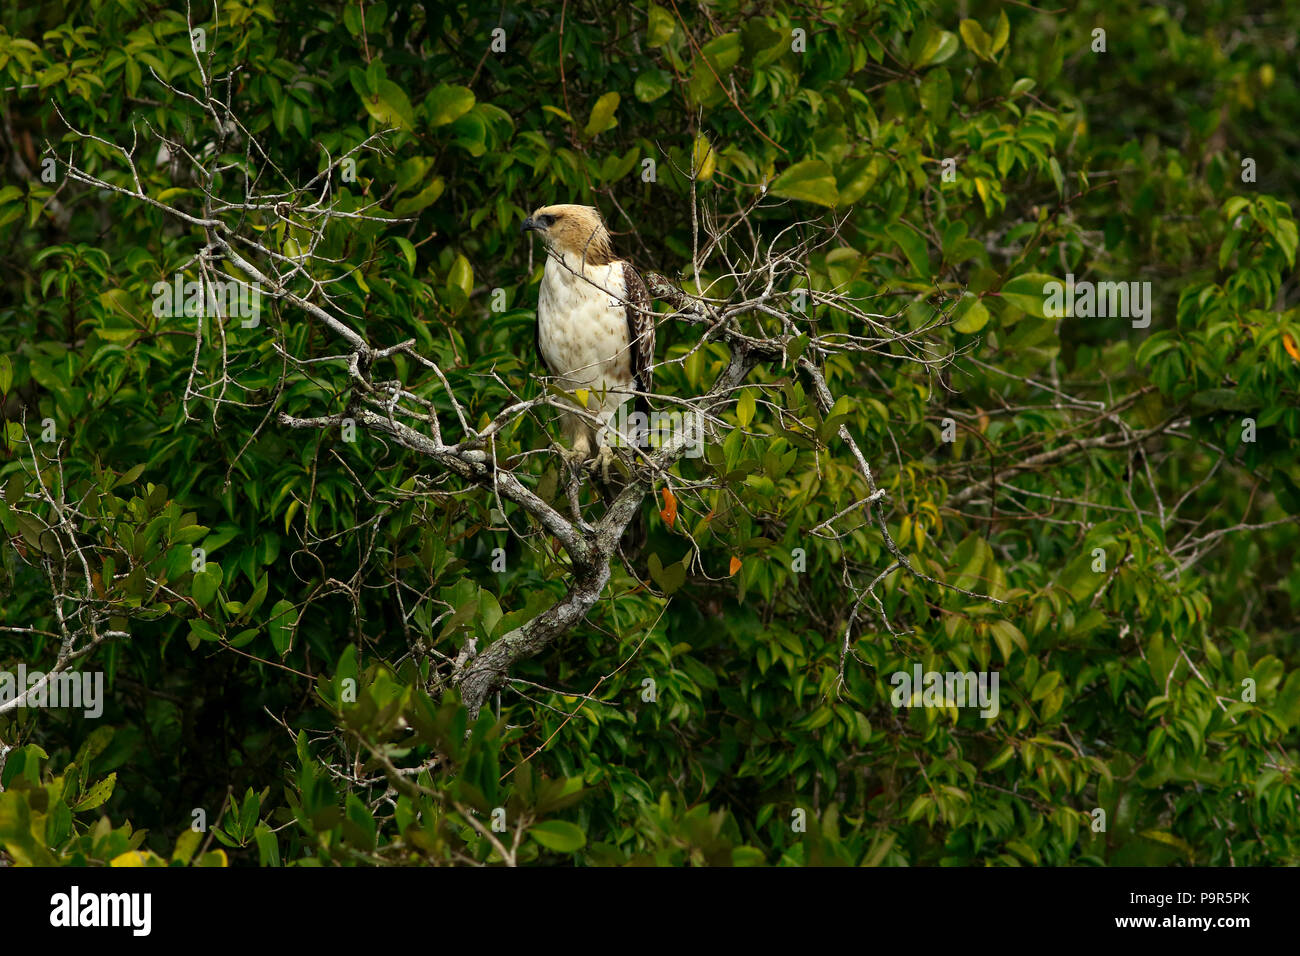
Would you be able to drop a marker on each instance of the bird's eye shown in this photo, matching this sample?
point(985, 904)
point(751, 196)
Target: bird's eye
point(547, 220)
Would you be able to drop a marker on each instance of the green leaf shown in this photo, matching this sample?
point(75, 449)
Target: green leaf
point(390, 106)
point(268, 847)
point(284, 618)
point(808, 181)
point(939, 46)
point(669, 578)
point(914, 247)
point(936, 93)
point(352, 19)
point(204, 588)
point(425, 197)
point(1024, 851)
point(446, 104)
point(652, 84)
point(723, 52)
point(858, 177)
point(128, 476)
point(1026, 293)
point(1045, 685)
point(1007, 636)
point(1233, 206)
point(408, 252)
point(489, 609)
point(201, 631)
point(558, 835)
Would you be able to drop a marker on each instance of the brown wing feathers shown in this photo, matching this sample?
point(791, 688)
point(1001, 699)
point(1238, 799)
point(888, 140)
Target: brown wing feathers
point(640, 328)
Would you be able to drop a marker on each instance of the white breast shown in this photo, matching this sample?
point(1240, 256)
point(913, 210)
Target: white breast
point(582, 326)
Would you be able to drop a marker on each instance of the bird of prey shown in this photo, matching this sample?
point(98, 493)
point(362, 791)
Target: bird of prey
point(595, 327)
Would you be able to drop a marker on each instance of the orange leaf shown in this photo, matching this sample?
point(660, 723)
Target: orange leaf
point(735, 565)
point(669, 511)
point(1288, 343)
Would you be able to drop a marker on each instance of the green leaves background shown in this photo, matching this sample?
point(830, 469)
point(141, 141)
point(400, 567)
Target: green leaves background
point(1122, 166)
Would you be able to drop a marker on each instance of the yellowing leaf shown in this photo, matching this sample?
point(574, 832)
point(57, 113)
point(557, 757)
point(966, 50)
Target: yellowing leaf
point(745, 408)
point(602, 115)
point(661, 26)
point(1001, 32)
point(976, 39)
point(704, 160)
point(973, 317)
point(736, 565)
point(1168, 839)
point(461, 275)
point(130, 858)
point(97, 794)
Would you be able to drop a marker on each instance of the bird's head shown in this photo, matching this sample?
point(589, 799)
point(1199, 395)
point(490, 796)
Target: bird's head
point(577, 231)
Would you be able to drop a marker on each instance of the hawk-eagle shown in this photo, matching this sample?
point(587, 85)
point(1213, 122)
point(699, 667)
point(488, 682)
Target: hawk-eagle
point(595, 327)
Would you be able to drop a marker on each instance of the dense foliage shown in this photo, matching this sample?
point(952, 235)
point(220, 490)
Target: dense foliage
point(1111, 505)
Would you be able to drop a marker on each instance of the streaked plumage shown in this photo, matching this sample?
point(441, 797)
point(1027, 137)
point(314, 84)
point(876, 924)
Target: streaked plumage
point(595, 329)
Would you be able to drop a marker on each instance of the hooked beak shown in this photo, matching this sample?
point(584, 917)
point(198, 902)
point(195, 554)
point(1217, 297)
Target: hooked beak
point(529, 224)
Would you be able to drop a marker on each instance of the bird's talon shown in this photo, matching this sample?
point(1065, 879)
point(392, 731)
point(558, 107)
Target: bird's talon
point(601, 462)
point(573, 458)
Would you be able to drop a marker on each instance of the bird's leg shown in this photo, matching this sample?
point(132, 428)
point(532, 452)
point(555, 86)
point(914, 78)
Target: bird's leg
point(602, 462)
point(609, 441)
point(573, 457)
point(579, 449)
